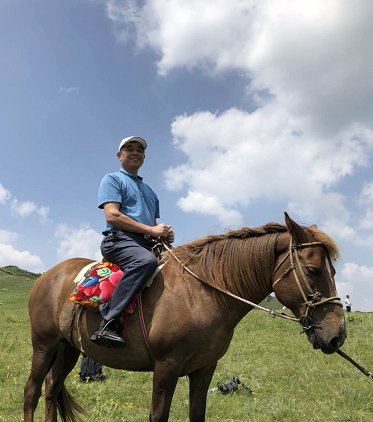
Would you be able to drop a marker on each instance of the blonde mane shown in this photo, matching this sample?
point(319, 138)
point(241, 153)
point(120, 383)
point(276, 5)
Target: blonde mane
point(327, 241)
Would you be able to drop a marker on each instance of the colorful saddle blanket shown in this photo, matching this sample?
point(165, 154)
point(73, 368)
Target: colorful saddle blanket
point(96, 283)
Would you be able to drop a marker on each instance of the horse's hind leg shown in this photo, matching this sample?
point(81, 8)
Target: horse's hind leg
point(56, 395)
point(199, 382)
point(43, 354)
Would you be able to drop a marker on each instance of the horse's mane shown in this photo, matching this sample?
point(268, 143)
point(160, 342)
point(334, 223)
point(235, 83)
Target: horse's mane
point(327, 241)
point(225, 260)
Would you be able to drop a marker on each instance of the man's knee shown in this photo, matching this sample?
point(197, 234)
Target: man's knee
point(152, 261)
point(147, 260)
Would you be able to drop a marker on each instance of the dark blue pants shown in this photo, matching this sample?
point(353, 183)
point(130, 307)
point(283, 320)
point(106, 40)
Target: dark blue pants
point(131, 252)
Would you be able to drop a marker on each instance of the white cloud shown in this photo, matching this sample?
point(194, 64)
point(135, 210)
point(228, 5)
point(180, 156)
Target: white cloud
point(339, 228)
point(83, 242)
point(8, 237)
point(25, 209)
point(313, 60)
point(367, 221)
point(22, 259)
point(234, 158)
point(366, 241)
point(64, 90)
point(357, 282)
point(43, 213)
point(210, 205)
point(4, 194)
point(313, 56)
point(9, 255)
point(366, 195)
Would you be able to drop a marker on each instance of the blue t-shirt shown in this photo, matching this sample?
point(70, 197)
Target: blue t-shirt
point(137, 200)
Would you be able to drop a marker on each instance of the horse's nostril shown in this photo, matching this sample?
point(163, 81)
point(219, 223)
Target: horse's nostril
point(335, 343)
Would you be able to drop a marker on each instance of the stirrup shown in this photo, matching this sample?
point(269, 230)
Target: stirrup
point(107, 338)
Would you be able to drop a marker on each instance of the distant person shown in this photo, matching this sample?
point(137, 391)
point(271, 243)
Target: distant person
point(348, 303)
point(131, 208)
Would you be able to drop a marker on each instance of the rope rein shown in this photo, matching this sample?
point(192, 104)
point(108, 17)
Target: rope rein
point(315, 298)
point(254, 305)
point(314, 301)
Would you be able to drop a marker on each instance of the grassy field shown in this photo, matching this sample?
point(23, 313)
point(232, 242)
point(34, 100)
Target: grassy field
point(291, 381)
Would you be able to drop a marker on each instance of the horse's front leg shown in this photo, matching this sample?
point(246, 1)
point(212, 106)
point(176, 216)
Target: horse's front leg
point(166, 375)
point(199, 382)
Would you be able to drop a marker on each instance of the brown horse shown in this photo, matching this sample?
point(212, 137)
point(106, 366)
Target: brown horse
point(189, 323)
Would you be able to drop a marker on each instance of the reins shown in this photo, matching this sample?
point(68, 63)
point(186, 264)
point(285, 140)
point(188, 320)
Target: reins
point(356, 365)
point(254, 305)
point(314, 300)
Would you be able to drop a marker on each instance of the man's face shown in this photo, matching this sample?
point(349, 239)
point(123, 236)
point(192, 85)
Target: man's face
point(131, 156)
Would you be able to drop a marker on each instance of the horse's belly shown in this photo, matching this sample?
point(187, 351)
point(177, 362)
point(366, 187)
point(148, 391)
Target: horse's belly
point(134, 357)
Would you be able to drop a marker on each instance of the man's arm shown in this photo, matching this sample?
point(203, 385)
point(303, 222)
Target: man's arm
point(123, 222)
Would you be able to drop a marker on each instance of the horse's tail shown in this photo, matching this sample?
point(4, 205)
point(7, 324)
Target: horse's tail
point(68, 407)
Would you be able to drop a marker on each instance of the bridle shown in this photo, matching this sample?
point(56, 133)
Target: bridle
point(311, 299)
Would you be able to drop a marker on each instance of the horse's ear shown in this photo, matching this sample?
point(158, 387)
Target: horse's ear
point(295, 231)
point(313, 226)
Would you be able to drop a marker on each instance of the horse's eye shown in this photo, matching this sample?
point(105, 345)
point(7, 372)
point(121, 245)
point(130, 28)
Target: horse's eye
point(313, 271)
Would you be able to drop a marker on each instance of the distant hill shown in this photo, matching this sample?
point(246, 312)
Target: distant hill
point(14, 270)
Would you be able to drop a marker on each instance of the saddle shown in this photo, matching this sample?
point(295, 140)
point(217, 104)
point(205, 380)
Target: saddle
point(96, 282)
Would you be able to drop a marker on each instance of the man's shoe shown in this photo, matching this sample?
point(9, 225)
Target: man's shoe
point(109, 338)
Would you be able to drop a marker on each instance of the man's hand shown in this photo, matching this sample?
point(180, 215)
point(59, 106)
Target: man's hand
point(163, 232)
point(170, 238)
point(160, 230)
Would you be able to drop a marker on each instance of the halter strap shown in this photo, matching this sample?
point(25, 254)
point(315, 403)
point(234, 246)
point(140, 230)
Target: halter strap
point(311, 299)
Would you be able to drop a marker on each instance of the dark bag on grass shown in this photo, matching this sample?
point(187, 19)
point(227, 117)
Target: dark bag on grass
point(233, 386)
point(91, 370)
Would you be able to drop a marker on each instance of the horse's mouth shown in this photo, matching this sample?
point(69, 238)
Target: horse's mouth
point(328, 349)
point(312, 338)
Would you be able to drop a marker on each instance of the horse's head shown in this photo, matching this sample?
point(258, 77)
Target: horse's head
point(303, 281)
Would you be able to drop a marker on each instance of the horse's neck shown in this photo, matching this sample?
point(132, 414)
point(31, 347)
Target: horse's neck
point(239, 309)
point(243, 269)
point(254, 284)
point(254, 290)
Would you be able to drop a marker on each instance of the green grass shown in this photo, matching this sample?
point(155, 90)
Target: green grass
point(291, 381)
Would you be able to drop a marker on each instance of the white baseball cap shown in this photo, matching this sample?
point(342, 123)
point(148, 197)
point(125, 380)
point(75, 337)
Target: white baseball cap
point(125, 141)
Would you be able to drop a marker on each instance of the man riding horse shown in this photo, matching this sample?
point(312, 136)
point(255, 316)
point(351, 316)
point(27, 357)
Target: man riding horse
point(131, 209)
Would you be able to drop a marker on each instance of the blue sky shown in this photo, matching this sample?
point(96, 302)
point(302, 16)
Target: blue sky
point(250, 108)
